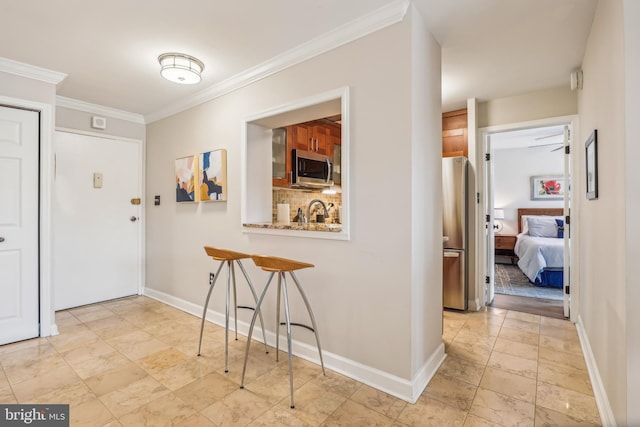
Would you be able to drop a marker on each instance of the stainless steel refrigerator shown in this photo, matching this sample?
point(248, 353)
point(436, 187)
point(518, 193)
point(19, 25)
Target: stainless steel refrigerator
point(454, 221)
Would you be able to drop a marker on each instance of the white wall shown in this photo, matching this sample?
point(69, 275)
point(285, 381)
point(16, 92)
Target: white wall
point(553, 102)
point(70, 118)
point(632, 154)
point(603, 294)
point(24, 88)
point(512, 172)
point(426, 212)
point(361, 289)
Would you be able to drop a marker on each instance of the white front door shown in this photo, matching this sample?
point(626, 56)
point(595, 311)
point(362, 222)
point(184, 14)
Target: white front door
point(97, 252)
point(19, 193)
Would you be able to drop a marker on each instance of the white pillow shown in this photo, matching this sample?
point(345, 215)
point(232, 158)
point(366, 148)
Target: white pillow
point(525, 223)
point(542, 226)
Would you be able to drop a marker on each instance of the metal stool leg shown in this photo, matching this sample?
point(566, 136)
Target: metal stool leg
point(281, 266)
point(206, 304)
point(253, 322)
point(280, 274)
point(255, 299)
point(313, 319)
point(235, 297)
point(226, 319)
point(288, 321)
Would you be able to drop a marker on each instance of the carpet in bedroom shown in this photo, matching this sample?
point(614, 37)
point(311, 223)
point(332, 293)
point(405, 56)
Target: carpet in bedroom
point(510, 280)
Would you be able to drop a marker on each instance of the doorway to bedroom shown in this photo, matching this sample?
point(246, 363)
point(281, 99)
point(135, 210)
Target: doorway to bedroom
point(527, 178)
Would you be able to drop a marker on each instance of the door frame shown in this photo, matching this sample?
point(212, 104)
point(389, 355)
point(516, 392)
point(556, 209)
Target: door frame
point(489, 232)
point(141, 177)
point(46, 121)
point(481, 240)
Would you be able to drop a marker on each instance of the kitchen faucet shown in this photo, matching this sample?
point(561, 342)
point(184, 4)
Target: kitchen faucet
point(311, 203)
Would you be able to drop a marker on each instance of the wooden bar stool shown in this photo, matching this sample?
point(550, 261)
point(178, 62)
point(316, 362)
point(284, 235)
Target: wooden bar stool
point(281, 266)
point(228, 257)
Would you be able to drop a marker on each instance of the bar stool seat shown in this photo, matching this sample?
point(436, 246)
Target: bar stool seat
point(229, 258)
point(281, 266)
point(275, 264)
point(224, 254)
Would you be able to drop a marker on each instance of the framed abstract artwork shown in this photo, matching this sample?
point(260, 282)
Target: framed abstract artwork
point(212, 176)
point(185, 183)
point(547, 187)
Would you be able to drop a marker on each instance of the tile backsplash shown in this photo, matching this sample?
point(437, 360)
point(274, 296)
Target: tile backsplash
point(300, 199)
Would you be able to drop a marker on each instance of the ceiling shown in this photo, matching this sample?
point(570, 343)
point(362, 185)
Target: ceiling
point(491, 48)
point(550, 138)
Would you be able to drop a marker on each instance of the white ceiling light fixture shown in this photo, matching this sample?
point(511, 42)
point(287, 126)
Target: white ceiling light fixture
point(180, 68)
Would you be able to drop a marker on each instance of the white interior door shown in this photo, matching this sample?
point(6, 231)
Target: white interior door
point(19, 192)
point(97, 232)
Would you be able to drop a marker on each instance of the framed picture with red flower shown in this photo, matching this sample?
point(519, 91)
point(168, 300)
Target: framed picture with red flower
point(550, 187)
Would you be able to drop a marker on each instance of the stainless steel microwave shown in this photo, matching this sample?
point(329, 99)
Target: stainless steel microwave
point(311, 169)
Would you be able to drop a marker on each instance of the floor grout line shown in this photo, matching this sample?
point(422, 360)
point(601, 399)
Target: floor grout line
point(486, 326)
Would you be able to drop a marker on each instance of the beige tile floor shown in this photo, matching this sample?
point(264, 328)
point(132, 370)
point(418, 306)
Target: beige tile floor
point(132, 362)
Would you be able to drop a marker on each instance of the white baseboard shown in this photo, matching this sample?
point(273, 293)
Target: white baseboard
point(54, 330)
point(401, 388)
point(50, 332)
point(428, 370)
point(600, 393)
point(473, 305)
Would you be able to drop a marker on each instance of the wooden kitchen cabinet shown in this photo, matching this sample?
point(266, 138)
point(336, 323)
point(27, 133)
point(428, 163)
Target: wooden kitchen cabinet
point(295, 137)
point(337, 161)
point(300, 136)
point(334, 137)
point(319, 140)
point(455, 134)
point(280, 157)
point(319, 136)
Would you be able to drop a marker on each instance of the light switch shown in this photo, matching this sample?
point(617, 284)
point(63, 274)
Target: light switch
point(97, 180)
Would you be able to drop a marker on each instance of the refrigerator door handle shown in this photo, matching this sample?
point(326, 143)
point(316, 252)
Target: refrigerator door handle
point(448, 254)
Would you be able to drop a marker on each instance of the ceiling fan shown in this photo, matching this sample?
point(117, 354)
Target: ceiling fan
point(559, 144)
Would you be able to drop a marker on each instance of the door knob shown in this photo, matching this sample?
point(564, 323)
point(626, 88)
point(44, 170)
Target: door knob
point(133, 218)
point(1, 239)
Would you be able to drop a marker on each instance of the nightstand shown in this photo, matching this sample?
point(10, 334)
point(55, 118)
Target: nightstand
point(504, 245)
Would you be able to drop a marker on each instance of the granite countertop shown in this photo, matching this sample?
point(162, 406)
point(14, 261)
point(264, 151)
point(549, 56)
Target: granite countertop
point(295, 226)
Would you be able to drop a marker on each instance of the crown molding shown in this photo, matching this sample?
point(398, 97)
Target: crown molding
point(87, 107)
point(353, 30)
point(30, 71)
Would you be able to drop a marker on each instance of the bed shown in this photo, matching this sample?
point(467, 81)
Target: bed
point(539, 247)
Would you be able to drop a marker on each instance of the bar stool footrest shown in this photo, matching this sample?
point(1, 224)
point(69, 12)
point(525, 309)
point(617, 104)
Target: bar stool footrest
point(298, 324)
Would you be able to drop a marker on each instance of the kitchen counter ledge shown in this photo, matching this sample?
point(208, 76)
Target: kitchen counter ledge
point(333, 228)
